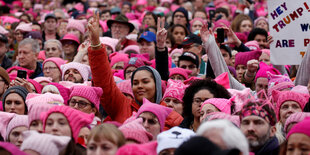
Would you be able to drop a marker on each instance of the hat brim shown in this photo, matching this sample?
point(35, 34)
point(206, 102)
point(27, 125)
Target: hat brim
point(64, 40)
point(131, 26)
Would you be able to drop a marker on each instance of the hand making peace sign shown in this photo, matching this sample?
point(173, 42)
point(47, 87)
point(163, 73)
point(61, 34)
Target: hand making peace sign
point(161, 35)
point(93, 27)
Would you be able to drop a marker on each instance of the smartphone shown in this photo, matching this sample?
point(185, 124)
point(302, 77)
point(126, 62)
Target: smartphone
point(250, 1)
point(22, 74)
point(211, 14)
point(220, 35)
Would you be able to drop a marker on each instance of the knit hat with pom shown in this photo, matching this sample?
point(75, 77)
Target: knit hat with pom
point(76, 118)
point(134, 130)
point(92, 94)
point(42, 143)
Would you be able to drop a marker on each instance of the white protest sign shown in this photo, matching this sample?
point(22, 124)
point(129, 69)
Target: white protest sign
point(289, 24)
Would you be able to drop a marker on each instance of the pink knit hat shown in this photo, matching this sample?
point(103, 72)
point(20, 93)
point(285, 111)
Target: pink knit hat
point(47, 98)
point(134, 130)
point(240, 97)
point(70, 37)
point(76, 118)
point(180, 71)
point(118, 57)
point(259, 19)
point(135, 48)
point(16, 68)
point(138, 149)
point(42, 143)
point(278, 82)
point(64, 92)
point(267, 51)
point(24, 27)
point(243, 57)
point(144, 56)
point(136, 62)
point(300, 89)
point(175, 89)
point(221, 115)
point(125, 87)
point(57, 61)
point(176, 50)
point(282, 96)
point(223, 105)
point(5, 119)
point(197, 19)
point(221, 23)
point(92, 94)
point(111, 42)
point(43, 79)
point(252, 45)
point(262, 72)
point(77, 24)
point(223, 79)
point(36, 85)
point(16, 121)
point(302, 127)
point(84, 70)
point(3, 30)
point(11, 148)
point(295, 118)
point(159, 111)
point(35, 111)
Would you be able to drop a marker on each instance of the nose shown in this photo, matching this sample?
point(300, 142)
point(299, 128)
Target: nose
point(251, 127)
point(20, 139)
point(170, 104)
point(76, 106)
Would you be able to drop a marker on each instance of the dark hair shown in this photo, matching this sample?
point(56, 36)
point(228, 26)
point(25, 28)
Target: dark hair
point(171, 29)
point(153, 15)
point(227, 49)
point(257, 31)
point(217, 90)
point(36, 23)
point(222, 10)
point(24, 14)
point(199, 10)
point(105, 11)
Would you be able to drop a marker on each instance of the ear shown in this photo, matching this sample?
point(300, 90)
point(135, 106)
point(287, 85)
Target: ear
point(273, 131)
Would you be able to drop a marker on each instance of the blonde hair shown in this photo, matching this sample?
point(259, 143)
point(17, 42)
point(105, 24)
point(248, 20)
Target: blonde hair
point(108, 132)
point(51, 89)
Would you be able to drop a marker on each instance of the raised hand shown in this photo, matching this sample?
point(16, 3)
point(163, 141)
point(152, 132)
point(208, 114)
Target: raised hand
point(161, 35)
point(231, 37)
point(93, 27)
point(205, 33)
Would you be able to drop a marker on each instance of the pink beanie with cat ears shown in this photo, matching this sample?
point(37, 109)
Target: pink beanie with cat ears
point(92, 94)
point(278, 82)
point(118, 57)
point(5, 119)
point(183, 72)
point(16, 121)
point(76, 119)
point(175, 89)
point(223, 105)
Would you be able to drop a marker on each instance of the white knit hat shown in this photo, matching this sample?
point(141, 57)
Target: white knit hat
point(82, 68)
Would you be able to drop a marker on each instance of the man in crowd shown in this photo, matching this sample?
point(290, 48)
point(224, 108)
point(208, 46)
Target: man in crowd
point(147, 44)
point(75, 72)
point(4, 47)
point(189, 61)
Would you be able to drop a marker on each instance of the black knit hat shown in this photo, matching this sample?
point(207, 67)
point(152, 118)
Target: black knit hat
point(183, 10)
point(21, 91)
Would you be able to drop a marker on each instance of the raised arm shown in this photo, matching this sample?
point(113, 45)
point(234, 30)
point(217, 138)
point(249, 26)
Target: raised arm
point(112, 99)
point(216, 59)
point(303, 73)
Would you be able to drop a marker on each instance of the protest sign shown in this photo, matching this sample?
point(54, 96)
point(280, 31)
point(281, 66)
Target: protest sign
point(289, 24)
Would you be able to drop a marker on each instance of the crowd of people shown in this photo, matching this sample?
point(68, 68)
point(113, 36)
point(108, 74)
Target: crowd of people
point(147, 77)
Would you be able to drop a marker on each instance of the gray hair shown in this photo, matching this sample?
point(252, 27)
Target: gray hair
point(34, 44)
point(231, 135)
point(63, 16)
point(59, 45)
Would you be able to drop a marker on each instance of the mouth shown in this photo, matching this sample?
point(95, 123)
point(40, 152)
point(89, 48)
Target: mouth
point(140, 93)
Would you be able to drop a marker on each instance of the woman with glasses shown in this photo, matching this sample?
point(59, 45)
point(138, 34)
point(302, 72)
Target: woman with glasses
point(70, 44)
point(198, 92)
point(51, 68)
point(180, 16)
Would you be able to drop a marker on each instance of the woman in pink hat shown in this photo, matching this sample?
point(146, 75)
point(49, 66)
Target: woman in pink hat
point(70, 44)
point(51, 68)
point(77, 28)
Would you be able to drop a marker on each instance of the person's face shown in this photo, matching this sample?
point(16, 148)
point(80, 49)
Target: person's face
point(73, 75)
point(129, 72)
point(51, 70)
point(36, 125)
point(263, 25)
point(3, 86)
point(175, 57)
point(150, 123)
point(62, 29)
point(215, 136)
point(26, 57)
point(179, 18)
point(105, 16)
point(68, 47)
point(118, 66)
point(40, 43)
point(261, 83)
point(58, 125)
point(195, 48)
point(169, 151)
point(257, 131)
point(245, 26)
point(178, 34)
point(240, 70)
point(287, 109)
point(143, 86)
point(82, 104)
point(298, 144)
point(74, 31)
point(19, 36)
point(14, 104)
point(223, 15)
point(3, 48)
point(149, 20)
point(265, 58)
point(16, 136)
point(201, 15)
point(52, 50)
point(262, 41)
point(101, 147)
point(207, 109)
point(119, 30)
point(125, 9)
point(189, 66)
point(198, 99)
point(197, 25)
point(50, 24)
point(177, 77)
point(147, 47)
point(175, 104)
point(226, 57)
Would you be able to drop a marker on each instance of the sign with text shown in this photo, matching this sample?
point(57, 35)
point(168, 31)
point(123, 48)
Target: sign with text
point(289, 24)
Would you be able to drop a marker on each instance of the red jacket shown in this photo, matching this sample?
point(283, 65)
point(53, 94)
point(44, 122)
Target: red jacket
point(114, 102)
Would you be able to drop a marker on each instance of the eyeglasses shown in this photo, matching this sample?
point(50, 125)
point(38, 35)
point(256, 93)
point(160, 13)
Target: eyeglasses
point(199, 100)
point(49, 68)
point(81, 104)
point(149, 121)
point(180, 16)
point(119, 26)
